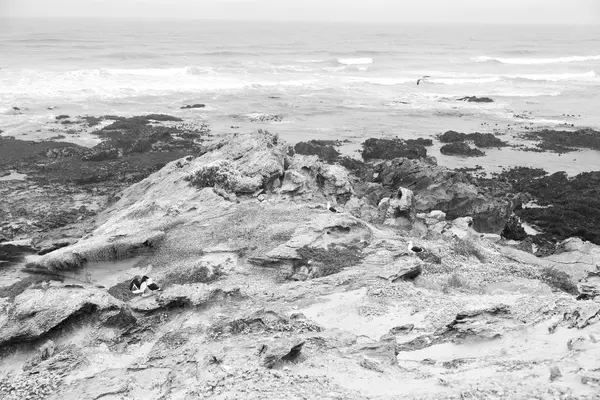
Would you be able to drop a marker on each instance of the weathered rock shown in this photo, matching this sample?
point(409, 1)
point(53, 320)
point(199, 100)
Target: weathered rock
point(585, 313)
point(399, 210)
point(589, 287)
point(456, 194)
point(15, 251)
point(382, 351)
point(193, 106)
point(47, 350)
point(329, 232)
point(320, 148)
point(401, 270)
point(576, 259)
point(590, 378)
point(37, 311)
point(488, 323)
point(308, 175)
point(402, 329)
point(513, 230)
point(391, 148)
point(272, 354)
point(554, 373)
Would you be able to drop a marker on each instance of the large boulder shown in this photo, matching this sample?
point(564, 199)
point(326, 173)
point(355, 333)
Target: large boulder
point(455, 193)
point(37, 311)
point(307, 175)
point(321, 247)
point(574, 261)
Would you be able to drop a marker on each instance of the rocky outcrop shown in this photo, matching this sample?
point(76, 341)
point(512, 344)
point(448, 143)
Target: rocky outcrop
point(188, 106)
point(37, 311)
point(334, 239)
point(456, 194)
point(574, 259)
point(513, 230)
point(387, 149)
point(308, 176)
point(272, 354)
point(321, 148)
point(398, 210)
point(479, 139)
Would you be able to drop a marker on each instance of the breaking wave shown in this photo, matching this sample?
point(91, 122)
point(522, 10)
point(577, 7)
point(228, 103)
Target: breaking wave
point(536, 61)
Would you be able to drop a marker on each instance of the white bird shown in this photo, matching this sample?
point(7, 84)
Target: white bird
point(412, 249)
point(330, 208)
point(139, 286)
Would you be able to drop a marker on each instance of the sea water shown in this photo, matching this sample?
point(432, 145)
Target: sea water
point(337, 81)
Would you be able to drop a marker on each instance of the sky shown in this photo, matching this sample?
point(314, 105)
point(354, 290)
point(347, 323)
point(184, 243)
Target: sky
point(418, 11)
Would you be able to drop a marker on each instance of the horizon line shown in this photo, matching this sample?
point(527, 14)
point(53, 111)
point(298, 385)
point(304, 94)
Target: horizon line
point(196, 19)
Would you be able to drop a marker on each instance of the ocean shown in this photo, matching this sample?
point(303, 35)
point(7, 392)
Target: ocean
point(336, 81)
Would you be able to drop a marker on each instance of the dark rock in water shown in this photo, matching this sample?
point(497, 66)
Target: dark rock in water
point(479, 139)
point(570, 205)
point(452, 136)
point(193, 106)
point(388, 149)
point(564, 141)
point(461, 149)
point(513, 230)
point(322, 149)
point(16, 109)
point(475, 99)
point(486, 140)
point(419, 142)
point(92, 121)
point(62, 116)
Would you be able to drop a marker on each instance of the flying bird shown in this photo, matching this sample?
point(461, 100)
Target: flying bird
point(424, 78)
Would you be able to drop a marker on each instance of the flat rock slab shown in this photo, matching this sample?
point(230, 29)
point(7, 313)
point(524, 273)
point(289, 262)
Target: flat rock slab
point(401, 270)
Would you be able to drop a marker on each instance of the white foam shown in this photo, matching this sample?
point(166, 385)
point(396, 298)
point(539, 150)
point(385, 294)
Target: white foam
point(355, 61)
point(556, 77)
point(535, 61)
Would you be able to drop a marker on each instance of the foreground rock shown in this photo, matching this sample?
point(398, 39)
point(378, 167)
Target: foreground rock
point(36, 312)
point(268, 293)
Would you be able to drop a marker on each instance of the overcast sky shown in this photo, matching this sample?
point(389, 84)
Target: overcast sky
point(454, 11)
